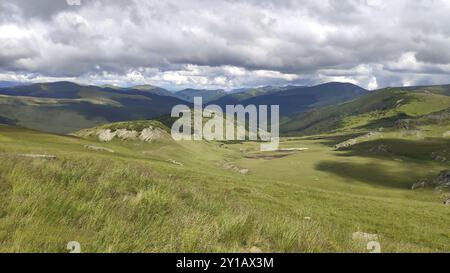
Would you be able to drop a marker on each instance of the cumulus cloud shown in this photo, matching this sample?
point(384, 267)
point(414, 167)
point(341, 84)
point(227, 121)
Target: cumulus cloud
point(226, 44)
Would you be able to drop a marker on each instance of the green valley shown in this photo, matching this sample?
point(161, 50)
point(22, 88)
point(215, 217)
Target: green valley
point(128, 187)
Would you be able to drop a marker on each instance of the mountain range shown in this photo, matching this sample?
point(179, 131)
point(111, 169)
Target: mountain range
point(297, 99)
point(349, 162)
point(64, 107)
point(10, 84)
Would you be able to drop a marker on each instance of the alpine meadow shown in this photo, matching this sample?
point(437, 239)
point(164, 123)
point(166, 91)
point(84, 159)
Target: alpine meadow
point(358, 104)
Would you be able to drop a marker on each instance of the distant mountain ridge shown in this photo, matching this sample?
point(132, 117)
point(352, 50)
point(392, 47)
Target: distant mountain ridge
point(64, 107)
point(4, 84)
point(72, 90)
point(240, 95)
point(299, 99)
point(207, 95)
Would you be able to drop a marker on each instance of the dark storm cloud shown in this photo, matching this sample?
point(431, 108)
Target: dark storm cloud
point(40, 8)
point(227, 43)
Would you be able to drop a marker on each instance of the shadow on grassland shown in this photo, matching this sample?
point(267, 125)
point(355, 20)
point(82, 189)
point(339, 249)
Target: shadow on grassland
point(370, 173)
point(423, 150)
point(331, 141)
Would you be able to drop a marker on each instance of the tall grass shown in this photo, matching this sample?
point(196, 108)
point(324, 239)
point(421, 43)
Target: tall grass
point(122, 206)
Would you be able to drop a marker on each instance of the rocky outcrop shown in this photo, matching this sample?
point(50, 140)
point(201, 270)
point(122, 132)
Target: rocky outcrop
point(175, 162)
point(405, 124)
point(354, 141)
point(439, 157)
point(293, 149)
point(418, 185)
point(148, 134)
point(447, 202)
point(40, 156)
point(105, 135)
point(346, 144)
point(244, 171)
point(98, 148)
point(231, 166)
point(125, 134)
point(443, 180)
point(440, 183)
point(436, 118)
point(362, 236)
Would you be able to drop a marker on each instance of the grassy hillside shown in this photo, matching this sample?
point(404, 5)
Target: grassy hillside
point(436, 89)
point(166, 196)
point(66, 107)
point(153, 90)
point(379, 109)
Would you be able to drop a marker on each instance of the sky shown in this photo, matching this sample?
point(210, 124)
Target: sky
point(226, 44)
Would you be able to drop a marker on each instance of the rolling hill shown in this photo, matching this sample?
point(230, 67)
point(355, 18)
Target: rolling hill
point(240, 95)
point(379, 109)
point(300, 99)
point(207, 95)
point(435, 89)
point(65, 107)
